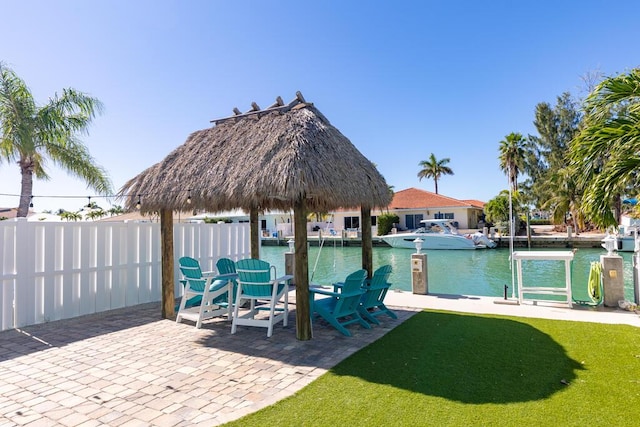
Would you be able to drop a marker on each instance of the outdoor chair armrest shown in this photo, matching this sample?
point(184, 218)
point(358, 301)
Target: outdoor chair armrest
point(324, 292)
point(337, 286)
point(376, 287)
point(335, 294)
point(350, 294)
point(356, 292)
point(226, 276)
point(285, 278)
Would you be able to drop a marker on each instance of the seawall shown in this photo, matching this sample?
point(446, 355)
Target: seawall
point(551, 242)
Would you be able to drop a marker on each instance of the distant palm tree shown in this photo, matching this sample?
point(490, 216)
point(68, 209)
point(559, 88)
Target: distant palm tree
point(30, 134)
point(317, 216)
point(392, 193)
point(94, 214)
point(115, 210)
point(434, 168)
point(512, 157)
point(70, 216)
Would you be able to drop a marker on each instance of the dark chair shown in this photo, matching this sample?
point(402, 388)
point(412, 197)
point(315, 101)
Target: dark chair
point(340, 308)
point(372, 302)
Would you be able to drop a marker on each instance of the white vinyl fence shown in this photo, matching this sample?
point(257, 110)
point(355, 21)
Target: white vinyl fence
point(58, 270)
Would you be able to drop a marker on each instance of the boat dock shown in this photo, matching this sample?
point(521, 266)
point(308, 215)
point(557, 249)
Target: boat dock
point(542, 237)
point(590, 241)
point(328, 240)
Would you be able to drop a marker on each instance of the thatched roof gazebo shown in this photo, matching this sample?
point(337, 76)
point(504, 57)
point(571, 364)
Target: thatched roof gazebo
point(282, 157)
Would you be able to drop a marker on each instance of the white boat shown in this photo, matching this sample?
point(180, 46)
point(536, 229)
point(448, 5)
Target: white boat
point(624, 242)
point(439, 234)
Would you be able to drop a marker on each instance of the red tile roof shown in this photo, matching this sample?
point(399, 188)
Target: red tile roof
point(475, 203)
point(414, 198)
point(11, 213)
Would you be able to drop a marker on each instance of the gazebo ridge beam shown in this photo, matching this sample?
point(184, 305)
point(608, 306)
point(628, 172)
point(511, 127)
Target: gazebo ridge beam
point(279, 105)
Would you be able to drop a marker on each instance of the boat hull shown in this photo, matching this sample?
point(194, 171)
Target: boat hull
point(623, 244)
point(406, 240)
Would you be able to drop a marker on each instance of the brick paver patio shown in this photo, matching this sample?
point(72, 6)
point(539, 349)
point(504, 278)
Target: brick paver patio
point(130, 368)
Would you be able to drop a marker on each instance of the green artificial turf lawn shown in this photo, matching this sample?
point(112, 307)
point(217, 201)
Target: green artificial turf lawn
point(443, 368)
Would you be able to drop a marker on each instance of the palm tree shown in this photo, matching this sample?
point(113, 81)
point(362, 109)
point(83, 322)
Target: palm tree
point(606, 149)
point(392, 193)
point(318, 216)
point(565, 198)
point(434, 168)
point(94, 214)
point(512, 157)
point(497, 209)
point(115, 210)
point(30, 135)
point(70, 216)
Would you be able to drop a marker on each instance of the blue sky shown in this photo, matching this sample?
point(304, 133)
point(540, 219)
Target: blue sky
point(400, 79)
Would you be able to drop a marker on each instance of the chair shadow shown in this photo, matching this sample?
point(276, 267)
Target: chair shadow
point(326, 348)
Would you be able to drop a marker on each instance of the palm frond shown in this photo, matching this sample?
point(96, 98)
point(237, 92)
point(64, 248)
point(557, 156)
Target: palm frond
point(75, 158)
point(16, 110)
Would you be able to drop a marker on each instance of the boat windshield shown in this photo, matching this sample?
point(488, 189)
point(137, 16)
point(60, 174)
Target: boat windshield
point(436, 227)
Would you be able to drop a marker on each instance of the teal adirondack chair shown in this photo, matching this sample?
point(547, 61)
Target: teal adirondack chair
point(341, 306)
point(227, 266)
point(257, 283)
point(206, 295)
point(372, 302)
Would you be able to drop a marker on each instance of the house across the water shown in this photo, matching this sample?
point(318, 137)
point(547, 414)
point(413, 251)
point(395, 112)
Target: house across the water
point(412, 205)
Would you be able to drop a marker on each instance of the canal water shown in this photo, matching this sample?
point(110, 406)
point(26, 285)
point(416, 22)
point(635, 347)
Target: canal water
point(463, 272)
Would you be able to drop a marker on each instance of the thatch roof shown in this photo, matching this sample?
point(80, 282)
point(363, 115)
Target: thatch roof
point(265, 159)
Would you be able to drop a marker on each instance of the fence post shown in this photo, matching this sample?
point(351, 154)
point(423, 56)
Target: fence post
point(7, 274)
point(22, 288)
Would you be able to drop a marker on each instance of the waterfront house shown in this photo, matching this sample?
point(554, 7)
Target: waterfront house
point(412, 205)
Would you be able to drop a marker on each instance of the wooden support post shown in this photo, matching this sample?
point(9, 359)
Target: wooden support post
point(301, 276)
point(367, 240)
point(255, 233)
point(166, 247)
